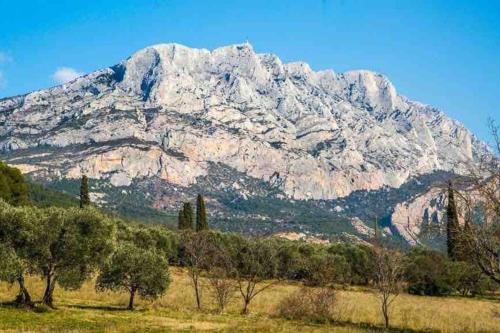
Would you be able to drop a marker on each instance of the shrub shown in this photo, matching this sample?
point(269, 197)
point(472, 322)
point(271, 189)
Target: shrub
point(311, 304)
point(426, 273)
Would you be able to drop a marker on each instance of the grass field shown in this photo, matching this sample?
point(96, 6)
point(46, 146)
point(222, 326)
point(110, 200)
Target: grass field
point(85, 310)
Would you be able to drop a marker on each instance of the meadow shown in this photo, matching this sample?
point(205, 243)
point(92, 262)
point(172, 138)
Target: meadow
point(356, 310)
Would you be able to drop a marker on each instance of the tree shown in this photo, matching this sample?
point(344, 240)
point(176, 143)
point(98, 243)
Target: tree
point(376, 233)
point(219, 273)
point(12, 270)
point(16, 229)
point(254, 263)
point(187, 213)
point(198, 248)
point(452, 226)
point(481, 200)
point(201, 214)
point(162, 240)
point(68, 245)
point(388, 278)
point(325, 269)
point(13, 187)
point(84, 192)
point(181, 221)
point(426, 273)
point(137, 270)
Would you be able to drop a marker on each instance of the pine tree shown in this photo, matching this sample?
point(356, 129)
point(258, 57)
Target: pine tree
point(187, 215)
point(452, 227)
point(84, 192)
point(201, 214)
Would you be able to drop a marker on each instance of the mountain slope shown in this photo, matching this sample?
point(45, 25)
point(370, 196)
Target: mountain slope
point(173, 118)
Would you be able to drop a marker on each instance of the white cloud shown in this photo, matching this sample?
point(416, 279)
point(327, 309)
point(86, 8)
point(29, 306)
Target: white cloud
point(65, 74)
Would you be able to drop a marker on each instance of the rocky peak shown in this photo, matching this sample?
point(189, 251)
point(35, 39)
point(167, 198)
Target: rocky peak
point(325, 134)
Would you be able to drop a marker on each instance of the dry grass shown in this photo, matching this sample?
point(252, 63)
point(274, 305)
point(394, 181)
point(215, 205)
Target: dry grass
point(85, 310)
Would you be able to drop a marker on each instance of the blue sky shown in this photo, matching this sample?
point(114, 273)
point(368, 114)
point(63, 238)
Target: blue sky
point(444, 53)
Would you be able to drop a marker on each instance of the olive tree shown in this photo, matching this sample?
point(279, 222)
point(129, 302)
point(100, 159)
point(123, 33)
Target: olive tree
point(138, 270)
point(12, 270)
point(67, 246)
point(16, 229)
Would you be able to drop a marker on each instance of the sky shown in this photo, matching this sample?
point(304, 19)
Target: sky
point(445, 53)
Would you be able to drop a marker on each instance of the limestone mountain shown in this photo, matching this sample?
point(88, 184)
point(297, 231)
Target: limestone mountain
point(274, 145)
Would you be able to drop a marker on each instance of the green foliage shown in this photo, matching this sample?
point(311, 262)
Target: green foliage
point(359, 262)
point(162, 240)
point(10, 264)
point(433, 274)
point(137, 270)
point(44, 197)
point(201, 214)
point(452, 226)
point(426, 273)
point(181, 222)
point(467, 279)
point(67, 245)
point(186, 217)
point(84, 192)
point(13, 188)
point(256, 259)
point(324, 270)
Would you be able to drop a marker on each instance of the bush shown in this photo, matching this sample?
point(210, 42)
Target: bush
point(430, 273)
point(427, 273)
point(468, 279)
point(309, 304)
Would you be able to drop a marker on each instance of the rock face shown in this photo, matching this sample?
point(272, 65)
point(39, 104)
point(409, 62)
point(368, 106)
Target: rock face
point(426, 209)
point(170, 112)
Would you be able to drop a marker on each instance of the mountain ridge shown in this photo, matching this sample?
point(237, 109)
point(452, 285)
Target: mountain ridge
point(169, 112)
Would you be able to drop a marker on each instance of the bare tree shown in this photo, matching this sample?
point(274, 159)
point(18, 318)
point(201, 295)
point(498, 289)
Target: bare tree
point(222, 286)
point(388, 278)
point(480, 199)
point(219, 274)
point(197, 250)
point(256, 263)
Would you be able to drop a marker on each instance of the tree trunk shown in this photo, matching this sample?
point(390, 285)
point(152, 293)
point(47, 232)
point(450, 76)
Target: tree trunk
point(385, 311)
point(246, 302)
point(24, 297)
point(197, 291)
point(198, 296)
point(48, 298)
point(131, 300)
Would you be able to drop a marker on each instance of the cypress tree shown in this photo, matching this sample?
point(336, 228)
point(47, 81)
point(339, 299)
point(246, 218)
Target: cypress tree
point(201, 214)
point(466, 235)
point(452, 227)
point(181, 222)
point(84, 192)
point(376, 231)
point(187, 215)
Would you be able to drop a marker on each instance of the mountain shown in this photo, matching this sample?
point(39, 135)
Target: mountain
point(273, 146)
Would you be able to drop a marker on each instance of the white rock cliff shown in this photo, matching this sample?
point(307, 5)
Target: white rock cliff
point(170, 112)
